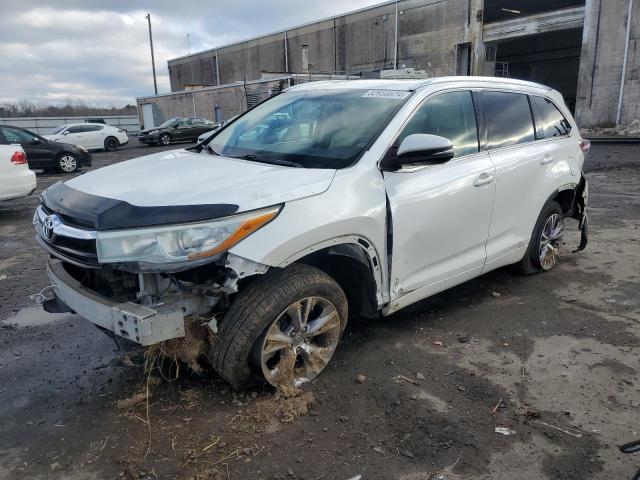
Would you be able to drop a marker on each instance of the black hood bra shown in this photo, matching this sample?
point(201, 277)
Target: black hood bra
point(100, 213)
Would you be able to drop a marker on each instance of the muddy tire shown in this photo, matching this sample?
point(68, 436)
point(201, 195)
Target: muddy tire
point(531, 262)
point(242, 331)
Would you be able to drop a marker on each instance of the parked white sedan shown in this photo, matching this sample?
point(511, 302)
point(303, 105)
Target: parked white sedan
point(16, 180)
point(92, 136)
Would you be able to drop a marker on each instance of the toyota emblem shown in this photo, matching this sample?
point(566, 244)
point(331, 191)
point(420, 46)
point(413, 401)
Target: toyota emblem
point(50, 223)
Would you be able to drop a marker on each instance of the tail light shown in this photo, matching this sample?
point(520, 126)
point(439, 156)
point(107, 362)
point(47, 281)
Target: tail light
point(120, 130)
point(18, 158)
point(585, 146)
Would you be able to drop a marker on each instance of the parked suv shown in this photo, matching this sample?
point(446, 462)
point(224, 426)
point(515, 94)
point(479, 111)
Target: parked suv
point(176, 130)
point(46, 154)
point(330, 200)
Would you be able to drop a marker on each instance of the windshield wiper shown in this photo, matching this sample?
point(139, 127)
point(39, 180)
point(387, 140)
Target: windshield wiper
point(271, 161)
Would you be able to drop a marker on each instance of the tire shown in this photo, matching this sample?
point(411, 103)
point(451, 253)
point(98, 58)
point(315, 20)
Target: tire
point(531, 262)
point(67, 163)
point(165, 139)
point(111, 144)
point(256, 310)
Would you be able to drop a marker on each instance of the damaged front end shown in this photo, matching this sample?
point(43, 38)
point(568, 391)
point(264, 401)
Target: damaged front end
point(148, 308)
point(147, 285)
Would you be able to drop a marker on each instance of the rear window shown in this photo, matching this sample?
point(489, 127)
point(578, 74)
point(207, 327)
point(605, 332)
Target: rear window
point(507, 117)
point(550, 122)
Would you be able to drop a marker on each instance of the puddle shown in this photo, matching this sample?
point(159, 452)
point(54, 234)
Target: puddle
point(34, 316)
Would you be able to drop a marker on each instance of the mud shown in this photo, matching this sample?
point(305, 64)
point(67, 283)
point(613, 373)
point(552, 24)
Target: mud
point(562, 351)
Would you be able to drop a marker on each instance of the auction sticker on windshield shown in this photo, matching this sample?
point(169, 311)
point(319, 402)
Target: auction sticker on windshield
point(387, 94)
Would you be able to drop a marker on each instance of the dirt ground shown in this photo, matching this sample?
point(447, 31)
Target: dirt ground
point(553, 358)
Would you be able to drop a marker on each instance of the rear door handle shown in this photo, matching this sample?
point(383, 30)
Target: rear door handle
point(483, 179)
point(546, 159)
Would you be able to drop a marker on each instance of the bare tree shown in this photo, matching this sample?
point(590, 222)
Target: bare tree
point(71, 109)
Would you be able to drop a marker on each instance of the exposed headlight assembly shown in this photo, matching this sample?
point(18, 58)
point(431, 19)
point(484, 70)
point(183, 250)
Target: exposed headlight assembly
point(188, 243)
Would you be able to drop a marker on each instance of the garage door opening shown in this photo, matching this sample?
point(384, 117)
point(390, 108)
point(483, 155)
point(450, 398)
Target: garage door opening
point(549, 58)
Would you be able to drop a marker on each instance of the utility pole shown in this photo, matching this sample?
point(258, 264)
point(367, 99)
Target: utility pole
point(153, 61)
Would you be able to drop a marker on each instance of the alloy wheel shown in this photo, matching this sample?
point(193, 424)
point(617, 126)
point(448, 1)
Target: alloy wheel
point(68, 163)
point(165, 140)
point(550, 241)
point(309, 329)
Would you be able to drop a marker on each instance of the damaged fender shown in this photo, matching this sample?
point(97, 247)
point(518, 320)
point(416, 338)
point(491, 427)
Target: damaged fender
point(579, 212)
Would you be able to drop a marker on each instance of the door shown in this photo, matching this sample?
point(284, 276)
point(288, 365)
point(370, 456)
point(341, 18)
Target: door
point(147, 116)
point(521, 164)
point(37, 149)
point(440, 213)
point(182, 129)
point(75, 134)
point(94, 136)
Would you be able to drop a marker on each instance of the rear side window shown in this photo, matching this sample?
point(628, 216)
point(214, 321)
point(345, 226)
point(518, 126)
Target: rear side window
point(93, 128)
point(550, 121)
point(507, 118)
point(449, 115)
point(14, 135)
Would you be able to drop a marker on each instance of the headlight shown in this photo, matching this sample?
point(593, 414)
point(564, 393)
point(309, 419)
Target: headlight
point(180, 243)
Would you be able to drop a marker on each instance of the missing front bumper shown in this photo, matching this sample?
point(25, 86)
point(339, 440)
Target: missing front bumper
point(129, 320)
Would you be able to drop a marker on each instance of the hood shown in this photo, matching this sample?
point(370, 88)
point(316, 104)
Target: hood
point(147, 130)
point(193, 181)
point(60, 145)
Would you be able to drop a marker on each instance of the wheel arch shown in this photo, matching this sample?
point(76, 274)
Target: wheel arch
point(354, 263)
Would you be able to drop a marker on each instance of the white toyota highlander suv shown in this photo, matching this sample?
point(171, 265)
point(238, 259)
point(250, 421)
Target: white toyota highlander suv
point(328, 200)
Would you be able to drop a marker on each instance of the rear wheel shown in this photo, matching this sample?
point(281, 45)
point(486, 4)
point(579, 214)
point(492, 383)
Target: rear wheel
point(165, 139)
point(284, 328)
point(546, 240)
point(111, 144)
point(67, 163)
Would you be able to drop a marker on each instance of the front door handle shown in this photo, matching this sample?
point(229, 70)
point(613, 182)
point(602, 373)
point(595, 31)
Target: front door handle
point(546, 159)
point(483, 179)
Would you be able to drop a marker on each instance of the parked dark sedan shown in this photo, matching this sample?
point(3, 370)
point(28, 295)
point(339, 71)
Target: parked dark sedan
point(176, 130)
point(46, 154)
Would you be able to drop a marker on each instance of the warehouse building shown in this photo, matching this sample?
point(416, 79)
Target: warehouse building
point(586, 49)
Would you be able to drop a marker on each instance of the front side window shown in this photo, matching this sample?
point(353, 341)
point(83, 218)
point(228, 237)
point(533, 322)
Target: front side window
point(312, 129)
point(507, 117)
point(77, 129)
point(449, 115)
point(168, 123)
point(549, 120)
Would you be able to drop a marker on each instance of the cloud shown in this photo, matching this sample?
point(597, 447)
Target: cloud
point(97, 52)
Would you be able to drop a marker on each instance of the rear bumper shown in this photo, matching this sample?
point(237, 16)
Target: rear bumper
point(21, 185)
point(129, 320)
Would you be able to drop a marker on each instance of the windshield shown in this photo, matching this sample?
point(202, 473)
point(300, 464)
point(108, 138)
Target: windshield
point(58, 130)
point(311, 129)
point(168, 123)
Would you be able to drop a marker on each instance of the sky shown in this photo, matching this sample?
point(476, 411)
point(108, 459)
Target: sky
point(97, 52)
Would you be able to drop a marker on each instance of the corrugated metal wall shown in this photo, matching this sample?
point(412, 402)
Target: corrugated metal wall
point(45, 125)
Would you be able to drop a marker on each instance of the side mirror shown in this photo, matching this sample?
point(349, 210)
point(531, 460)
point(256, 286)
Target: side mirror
point(420, 148)
point(35, 141)
point(65, 133)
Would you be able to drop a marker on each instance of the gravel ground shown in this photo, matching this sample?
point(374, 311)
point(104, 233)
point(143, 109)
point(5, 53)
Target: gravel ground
point(557, 354)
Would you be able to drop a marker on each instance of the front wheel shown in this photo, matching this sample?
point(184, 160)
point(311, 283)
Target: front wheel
point(284, 328)
point(546, 240)
point(67, 163)
point(165, 139)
